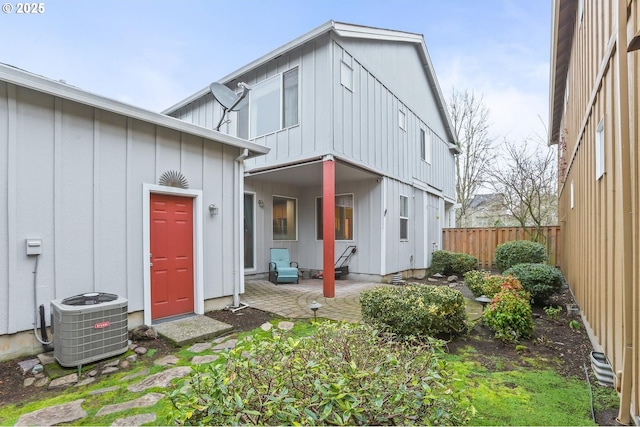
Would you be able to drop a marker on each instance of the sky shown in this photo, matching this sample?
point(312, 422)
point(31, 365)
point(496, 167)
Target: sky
point(154, 53)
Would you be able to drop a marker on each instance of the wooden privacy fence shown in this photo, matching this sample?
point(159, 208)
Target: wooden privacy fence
point(482, 242)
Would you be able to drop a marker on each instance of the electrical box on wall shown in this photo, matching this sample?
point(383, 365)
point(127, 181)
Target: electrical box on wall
point(34, 246)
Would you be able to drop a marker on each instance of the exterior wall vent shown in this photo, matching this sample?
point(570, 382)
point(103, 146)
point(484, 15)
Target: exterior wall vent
point(89, 327)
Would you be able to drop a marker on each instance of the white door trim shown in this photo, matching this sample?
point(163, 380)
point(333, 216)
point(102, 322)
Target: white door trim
point(198, 245)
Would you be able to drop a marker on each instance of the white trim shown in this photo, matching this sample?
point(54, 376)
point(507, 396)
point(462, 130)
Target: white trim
point(406, 239)
point(599, 150)
point(198, 245)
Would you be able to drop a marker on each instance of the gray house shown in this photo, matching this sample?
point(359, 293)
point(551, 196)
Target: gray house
point(88, 203)
point(361, 144)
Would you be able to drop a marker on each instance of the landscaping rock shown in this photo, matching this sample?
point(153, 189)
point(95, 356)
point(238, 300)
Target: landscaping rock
point(28, 382)
point(140, 350)
point(42, 382)
point(112, 363)
point(92, 373)
point(132, 359)
point(141, 402)
point(125, 364)
point(85, 381)
point(285, 325)
point(37, 369)
point(110, 370)
point(28, 365)
point(64, 381)
point(136, 375)
point(103, 390)
point(143, 332)
point(266, 326)
point(167, 360)
point(54, 415)
point(135, 420)
point(161, 379)
point(199, 360)
point(228, 344)
point(452, 279)
point(438, 276)
point(200, 347)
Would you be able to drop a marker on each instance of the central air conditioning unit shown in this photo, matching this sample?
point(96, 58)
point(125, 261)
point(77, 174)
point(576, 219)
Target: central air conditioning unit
point(89, 327)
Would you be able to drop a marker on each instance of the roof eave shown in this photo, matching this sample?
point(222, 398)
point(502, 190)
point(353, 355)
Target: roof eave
point(562, 27)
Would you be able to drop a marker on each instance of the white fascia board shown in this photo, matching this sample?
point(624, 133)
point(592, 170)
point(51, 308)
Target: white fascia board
point(362, 32)
point(41, 84)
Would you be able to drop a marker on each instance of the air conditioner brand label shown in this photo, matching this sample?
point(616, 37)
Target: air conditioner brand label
point(102, 325)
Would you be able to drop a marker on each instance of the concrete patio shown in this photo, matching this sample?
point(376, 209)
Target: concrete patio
point(292, 300)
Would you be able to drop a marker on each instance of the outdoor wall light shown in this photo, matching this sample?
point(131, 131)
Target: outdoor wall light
point(213, 209)
point(261, 203)
point(314, 306)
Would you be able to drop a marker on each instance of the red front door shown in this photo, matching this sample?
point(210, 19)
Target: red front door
point(171, 245)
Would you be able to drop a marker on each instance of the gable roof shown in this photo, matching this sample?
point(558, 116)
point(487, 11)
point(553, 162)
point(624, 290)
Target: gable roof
point(345, 30)
point(38, 83)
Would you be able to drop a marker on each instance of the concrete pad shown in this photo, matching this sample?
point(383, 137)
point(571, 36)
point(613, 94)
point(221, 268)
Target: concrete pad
point(191, 329)
point(54, 415)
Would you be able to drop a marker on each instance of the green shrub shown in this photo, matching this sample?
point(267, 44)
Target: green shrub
point(509, 314)
point(344, 374)
point(445, 262)
point(483, 283)
point(540, 280)
point(517, 252)
point(420, 310)
point(474, 280)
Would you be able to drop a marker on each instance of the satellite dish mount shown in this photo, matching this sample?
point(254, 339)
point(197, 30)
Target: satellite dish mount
point(228, 99)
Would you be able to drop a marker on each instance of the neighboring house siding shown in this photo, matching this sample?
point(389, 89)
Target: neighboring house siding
point(72, 175)
point(598, 214)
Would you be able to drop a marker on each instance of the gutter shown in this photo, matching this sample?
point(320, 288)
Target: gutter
point(238, 194)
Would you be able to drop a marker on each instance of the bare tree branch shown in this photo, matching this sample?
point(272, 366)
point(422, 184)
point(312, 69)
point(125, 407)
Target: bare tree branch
point(527, 181)
point(470, 118)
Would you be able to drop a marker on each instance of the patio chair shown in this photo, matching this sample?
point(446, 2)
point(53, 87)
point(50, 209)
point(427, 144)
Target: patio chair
point(281, 269)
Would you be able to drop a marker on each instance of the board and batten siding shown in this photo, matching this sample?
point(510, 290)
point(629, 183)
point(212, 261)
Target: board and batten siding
point(593, 210)
point(361, 125)
point(73, 175)
point(367, 130)
point(397, 66)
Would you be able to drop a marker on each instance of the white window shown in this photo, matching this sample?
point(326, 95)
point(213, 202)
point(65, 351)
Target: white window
point(425, 146)
point(571, 199)
point(285, 218)
point(404, 218)
point(273, 105)
point(402, 120)
point(599, 149)
point(343, 219)
point(346, 75)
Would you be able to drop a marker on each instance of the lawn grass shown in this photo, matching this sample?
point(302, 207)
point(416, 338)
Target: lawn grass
point(522, 396)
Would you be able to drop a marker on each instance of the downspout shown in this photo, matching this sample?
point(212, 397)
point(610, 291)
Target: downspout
point(627, 220)
point(238, 194)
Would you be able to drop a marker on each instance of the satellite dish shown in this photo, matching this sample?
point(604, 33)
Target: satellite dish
point(228, 99)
